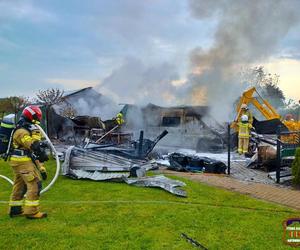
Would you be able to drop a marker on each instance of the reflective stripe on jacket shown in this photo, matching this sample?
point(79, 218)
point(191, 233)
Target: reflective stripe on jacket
point(23, 139)
point(244, 130)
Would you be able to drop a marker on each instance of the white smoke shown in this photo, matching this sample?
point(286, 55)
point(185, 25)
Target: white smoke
point(134, 82)
point(90, 102)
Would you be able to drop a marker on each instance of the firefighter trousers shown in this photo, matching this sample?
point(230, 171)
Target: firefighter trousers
point(27, 181)
point(243, 145)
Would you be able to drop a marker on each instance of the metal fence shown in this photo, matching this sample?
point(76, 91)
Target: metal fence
point(287, 143)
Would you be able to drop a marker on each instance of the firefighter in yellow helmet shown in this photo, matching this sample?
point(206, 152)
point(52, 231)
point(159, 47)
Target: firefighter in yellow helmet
point(244, 134)
point(26, 156)
point(245, 111)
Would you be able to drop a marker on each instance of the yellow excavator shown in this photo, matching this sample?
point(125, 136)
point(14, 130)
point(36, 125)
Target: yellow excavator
point(265, 108)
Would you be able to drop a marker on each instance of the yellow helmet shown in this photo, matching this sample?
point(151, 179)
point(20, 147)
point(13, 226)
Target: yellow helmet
point(244, 118)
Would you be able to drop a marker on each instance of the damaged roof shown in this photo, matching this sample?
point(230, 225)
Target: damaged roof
point(188, 110)
point(88, 102)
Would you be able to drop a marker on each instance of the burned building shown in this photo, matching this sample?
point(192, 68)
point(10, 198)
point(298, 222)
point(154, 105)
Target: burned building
point(188, 126)
point(79, 111)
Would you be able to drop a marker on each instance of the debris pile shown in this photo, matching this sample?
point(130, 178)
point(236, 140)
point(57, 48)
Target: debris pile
point(119, 163)
point(194, 163)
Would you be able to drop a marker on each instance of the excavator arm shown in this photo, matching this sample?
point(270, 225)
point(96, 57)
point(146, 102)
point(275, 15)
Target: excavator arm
point(268, 111)
point(262, 105)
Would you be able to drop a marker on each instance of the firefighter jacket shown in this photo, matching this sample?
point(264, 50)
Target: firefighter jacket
point(22, 140)
point(120, 119)
point(244, 129)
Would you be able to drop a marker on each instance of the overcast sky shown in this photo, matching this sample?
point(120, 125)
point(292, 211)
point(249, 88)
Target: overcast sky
point(71, 44)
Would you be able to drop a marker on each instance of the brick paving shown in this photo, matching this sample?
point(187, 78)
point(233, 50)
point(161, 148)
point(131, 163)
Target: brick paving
point(269, 192)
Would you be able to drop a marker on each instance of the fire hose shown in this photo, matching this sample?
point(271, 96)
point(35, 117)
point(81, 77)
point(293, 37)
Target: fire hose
point(57, 164)
point(7, 179)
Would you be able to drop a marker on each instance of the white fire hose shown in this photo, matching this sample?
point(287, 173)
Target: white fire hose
point(57, 164)
point(7, 179)
point(56, 158)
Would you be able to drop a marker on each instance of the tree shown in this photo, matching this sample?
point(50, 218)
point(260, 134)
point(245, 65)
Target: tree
point(18, 103)
point(13, 104)
point(266, 83)
point(296, 168)
point(50, 96)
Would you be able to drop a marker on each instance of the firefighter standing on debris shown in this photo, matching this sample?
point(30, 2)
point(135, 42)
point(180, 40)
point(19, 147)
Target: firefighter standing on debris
point(26, 156)
point(120, 119)
point(245, 111)
point(244, 134)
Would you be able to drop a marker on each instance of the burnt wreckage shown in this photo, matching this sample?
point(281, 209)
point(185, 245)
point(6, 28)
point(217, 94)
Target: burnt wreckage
point(189, 127)
point(193, 163)
point(123, 163)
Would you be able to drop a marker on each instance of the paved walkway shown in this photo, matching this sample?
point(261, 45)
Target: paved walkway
point(274, 193)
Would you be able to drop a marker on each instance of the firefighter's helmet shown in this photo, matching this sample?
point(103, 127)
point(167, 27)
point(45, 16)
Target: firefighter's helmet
point(244, 106)
point(244, 118)
point(32, 113)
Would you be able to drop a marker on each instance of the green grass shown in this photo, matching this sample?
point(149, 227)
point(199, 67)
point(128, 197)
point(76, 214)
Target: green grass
point(104, 215)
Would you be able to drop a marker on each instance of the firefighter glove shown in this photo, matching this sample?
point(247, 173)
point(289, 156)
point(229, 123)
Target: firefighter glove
point(39, 151)
point(43, 173)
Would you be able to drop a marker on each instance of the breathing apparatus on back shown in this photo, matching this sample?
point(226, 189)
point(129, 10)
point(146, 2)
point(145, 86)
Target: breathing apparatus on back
point(29, 120)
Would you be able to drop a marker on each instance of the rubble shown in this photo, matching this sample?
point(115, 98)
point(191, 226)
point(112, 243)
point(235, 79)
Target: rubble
point(189, 126)
point(96, 175)
point(125, 163)
point(101, 159)
point(193, 163)
point(158, 181)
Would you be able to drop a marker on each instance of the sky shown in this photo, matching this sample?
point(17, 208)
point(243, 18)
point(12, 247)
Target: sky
point(73, 44)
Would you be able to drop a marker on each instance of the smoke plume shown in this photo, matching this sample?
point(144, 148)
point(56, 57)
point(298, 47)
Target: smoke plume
point(247, 32)
point(136, 83)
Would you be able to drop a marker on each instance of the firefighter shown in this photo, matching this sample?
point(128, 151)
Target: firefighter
point(244, 134)
point(27, 155)
point(120, 119)
point(245, 111)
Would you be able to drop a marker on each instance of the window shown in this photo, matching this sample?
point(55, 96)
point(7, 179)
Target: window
point(170, 121)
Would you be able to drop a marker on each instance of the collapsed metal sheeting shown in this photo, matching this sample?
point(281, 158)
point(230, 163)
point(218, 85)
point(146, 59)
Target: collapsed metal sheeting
point(101, 165)
point(97, 160)
point(96, 175)
point(158, 181)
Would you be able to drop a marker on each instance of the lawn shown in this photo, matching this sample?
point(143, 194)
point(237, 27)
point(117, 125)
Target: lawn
point(104, 215)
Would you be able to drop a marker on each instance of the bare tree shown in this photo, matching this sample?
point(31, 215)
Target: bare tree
point(50, 96)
